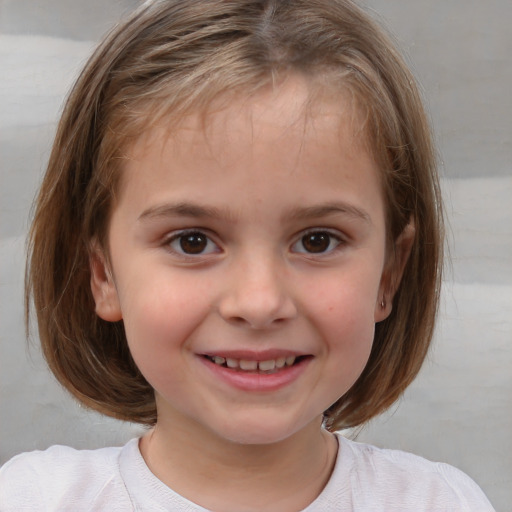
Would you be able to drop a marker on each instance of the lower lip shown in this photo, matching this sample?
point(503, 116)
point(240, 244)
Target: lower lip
point(253, 381)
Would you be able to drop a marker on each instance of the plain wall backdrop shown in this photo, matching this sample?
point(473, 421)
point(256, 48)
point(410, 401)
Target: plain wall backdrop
point(459, 410)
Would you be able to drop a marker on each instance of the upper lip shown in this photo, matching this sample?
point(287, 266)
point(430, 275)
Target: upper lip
point(252, 355)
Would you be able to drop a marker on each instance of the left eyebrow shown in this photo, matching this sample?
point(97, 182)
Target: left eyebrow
point(325, 210)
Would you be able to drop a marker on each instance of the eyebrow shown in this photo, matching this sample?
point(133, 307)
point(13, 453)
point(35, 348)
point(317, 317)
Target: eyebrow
point(325, 210)
point(184, 209)
point(181, 210)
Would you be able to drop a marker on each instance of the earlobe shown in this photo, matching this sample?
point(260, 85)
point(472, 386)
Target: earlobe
point(393, 272)
point(103, 287)
point(383, 308)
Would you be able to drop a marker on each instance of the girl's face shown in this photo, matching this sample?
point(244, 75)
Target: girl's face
point(248, 264)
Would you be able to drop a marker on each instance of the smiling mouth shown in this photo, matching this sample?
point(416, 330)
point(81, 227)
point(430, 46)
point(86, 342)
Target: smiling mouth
point(251, 366)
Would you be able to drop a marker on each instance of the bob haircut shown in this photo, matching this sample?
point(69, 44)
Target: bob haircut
point(173, 57)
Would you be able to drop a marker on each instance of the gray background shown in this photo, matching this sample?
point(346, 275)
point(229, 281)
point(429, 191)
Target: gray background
point(459, 410)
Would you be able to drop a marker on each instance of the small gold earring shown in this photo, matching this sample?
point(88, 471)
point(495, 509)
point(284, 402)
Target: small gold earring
point(382, 304)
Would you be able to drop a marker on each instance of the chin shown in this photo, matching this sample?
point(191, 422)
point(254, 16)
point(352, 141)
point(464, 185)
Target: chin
point(259, 432)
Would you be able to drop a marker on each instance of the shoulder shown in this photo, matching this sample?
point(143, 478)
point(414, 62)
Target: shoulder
point(61, 478)
point(403, 481)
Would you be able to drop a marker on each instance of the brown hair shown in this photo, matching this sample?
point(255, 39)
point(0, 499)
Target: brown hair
point(174, 56)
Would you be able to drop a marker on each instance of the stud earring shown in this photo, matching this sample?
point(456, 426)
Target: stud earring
point(382, 303)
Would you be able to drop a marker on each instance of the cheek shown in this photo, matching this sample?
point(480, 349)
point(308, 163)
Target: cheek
point(160, 317)
point(346, 327)
point(349, 331)
point(344, 315)
point(347, 301)
point(158, 332)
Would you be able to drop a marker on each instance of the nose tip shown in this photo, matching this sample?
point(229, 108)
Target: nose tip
point(257, 302)
point(259, 315)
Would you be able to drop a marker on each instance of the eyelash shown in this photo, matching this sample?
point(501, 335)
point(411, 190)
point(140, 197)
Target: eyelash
point(178, 239)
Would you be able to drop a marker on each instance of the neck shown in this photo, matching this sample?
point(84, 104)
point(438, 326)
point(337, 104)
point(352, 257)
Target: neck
point(225, 476)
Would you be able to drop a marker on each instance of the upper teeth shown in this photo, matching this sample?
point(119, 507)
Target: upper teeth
point(251, 365)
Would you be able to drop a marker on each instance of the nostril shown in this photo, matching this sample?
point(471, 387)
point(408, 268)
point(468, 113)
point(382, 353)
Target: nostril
point(256, 323)
point(238, 320)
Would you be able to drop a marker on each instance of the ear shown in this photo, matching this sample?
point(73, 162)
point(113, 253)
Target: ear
point(103, 287)
point(393, 272)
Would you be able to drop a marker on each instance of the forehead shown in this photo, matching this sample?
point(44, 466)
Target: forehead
point(281, 146)
point(295, 109)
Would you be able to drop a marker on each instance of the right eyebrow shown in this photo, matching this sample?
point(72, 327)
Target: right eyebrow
point(181, 209)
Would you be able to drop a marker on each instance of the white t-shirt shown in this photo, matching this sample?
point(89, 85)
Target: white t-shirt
point(365, 478)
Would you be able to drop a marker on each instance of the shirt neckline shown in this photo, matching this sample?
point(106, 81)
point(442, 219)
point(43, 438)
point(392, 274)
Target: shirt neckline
point(147, 492)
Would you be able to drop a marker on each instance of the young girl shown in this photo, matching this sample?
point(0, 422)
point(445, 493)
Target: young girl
point(238, 244)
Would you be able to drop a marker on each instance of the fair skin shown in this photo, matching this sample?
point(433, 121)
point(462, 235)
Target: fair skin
point(248, 264)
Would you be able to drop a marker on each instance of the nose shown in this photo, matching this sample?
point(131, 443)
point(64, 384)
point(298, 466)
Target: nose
point(256, 295)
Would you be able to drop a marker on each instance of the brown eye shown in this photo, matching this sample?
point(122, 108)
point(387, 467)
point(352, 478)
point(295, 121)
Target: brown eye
point(317, 242)
point(193, 243)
